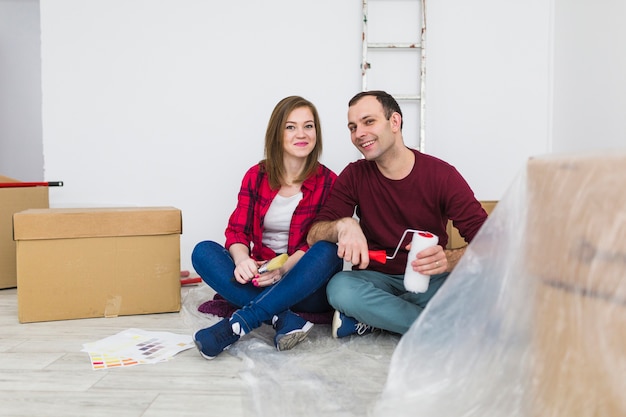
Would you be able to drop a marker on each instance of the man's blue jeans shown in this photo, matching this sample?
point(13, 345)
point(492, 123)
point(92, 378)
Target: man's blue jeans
point(378, 299)
point(302, 289)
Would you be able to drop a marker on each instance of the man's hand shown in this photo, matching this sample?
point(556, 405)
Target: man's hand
point(430, 261)
point(351, 243)
point(347, 234)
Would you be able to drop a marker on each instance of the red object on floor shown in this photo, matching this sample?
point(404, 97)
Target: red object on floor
point(378, 256)
point(184, 274)
point(31, 184)
point(190, 281)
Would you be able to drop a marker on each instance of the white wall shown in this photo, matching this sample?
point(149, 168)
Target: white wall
point(589, 75)
point(21, 147)
point(488, 87)
point(166, 102)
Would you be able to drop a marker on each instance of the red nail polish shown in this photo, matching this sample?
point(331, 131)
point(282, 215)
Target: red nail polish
point(255, 282)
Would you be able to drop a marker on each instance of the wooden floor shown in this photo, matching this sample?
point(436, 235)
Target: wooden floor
point(44, 372)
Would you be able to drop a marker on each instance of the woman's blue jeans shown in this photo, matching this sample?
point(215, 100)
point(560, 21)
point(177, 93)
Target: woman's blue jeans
point(302, 289)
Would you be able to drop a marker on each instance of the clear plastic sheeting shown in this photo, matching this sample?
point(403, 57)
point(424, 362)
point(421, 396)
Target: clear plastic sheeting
point(321, 376)
point(532, 322)
point(467, 353)
point(192, 298)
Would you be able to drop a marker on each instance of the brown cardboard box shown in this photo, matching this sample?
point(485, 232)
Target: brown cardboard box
point(13, 200)
point(579, 352)
point(104, 262)
point(576, 255)
point(454, 238)
point(577, 221)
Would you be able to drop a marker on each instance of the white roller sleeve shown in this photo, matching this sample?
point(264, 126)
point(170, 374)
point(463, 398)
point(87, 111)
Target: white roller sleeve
point(414, 281)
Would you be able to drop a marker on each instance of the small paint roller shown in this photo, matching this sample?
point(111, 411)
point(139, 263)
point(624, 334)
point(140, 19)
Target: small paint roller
point(381, 255)
point(413, 281)
point(273, 264)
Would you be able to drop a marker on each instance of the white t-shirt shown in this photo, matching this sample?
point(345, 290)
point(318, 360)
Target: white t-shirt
point(277, 222)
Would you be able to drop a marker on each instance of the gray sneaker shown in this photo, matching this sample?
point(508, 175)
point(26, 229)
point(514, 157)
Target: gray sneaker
point(291, 329)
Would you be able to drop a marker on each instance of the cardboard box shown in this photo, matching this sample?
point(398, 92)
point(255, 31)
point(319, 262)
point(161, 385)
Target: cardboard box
point(576, 258)
point(103, 262)
point(454, 238)
point(13, 200)
point(577, 221)
point(579, 352)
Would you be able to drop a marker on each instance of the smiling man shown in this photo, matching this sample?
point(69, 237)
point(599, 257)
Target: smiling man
point(394, 188)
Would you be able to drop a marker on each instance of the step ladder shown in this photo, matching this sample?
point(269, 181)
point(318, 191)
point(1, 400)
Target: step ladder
point(414, 46)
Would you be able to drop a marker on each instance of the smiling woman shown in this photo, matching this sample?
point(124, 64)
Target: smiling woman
point(299, 141)
point(277, 201)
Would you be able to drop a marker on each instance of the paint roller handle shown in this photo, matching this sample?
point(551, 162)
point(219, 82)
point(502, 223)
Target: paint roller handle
point(379, 256)
point(31, 184)
point(273, 264)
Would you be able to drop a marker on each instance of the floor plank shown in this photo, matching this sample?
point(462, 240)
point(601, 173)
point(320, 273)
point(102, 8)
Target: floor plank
point(44, 373)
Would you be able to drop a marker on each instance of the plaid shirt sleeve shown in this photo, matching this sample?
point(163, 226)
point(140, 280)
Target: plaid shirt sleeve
point(241, 223)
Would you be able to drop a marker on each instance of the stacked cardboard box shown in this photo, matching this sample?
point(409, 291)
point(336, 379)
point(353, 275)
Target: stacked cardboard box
point(100, 262)
point(12, 200)
point(454, 238)
point(576, 257)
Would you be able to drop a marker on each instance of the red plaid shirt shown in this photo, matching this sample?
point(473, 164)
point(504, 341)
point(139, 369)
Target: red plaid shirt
point(255, 196)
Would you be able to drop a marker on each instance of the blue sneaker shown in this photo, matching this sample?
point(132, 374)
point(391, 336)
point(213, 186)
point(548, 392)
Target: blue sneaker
point(291, 329)
point(213, 340)
point(345, 326)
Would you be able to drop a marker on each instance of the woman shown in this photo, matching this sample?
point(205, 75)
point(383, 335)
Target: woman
point(278, 199)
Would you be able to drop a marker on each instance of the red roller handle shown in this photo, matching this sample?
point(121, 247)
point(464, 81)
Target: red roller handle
point(31, 184)
point(379, 256)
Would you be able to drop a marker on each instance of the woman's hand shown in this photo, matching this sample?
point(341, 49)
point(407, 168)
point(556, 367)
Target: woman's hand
point(272, 277)
point(246, 270)
point(267, 279)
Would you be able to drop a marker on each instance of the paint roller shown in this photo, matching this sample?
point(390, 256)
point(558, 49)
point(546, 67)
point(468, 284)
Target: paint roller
point(381, 255)
point(274, 263)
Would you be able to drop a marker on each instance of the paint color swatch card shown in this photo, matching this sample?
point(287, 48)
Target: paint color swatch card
point(135, 347)
point(106, 360)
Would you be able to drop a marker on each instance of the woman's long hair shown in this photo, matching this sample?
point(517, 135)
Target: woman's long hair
point(274, 135)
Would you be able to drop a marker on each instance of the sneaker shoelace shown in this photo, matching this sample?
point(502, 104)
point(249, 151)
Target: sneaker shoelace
point(361, 328)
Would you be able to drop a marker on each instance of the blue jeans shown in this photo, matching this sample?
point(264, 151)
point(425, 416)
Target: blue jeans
point(378, 299)
point(302, 289)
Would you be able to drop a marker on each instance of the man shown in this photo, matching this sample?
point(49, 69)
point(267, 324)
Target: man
point(394, 188)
